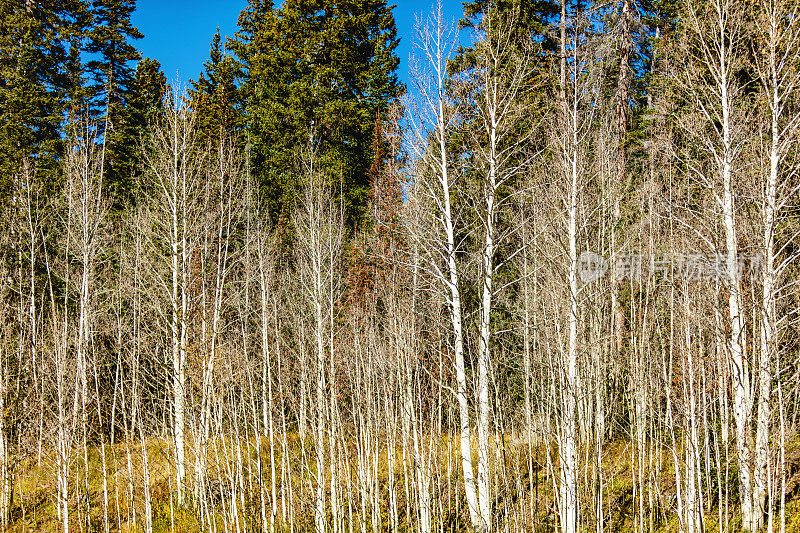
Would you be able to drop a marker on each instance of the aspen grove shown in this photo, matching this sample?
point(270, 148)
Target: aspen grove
point(550, 284)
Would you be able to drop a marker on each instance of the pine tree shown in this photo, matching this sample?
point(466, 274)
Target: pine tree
point(150, 88)
point(531, 17)
point(112, 83)
point(145, 105)
point(37, 42)
point(214, 97)
point(316, 73)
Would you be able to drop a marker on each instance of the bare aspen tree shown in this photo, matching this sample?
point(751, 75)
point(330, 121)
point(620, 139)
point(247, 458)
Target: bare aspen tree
point(70, 338)
point(64, 434)
point(128, 298)
point(23, 217)
point(5, 455)
point(319, 231)
point(30, 221)
point(7, 338)
point(85, 212)
point(715, 30)
point(568, 374)
point(406, 331)
point(528, 287)
point(211, 263)
point(692, 502)
point(575, 108)
point(172, 185)
point(433, 118)
point(265, 267)
point(500, 76)
point(778, 41)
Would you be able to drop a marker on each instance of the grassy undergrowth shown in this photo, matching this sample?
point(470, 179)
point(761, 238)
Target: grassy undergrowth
point(524, 497)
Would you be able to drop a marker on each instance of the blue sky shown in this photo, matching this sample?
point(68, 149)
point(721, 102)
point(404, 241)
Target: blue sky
point(178, 32)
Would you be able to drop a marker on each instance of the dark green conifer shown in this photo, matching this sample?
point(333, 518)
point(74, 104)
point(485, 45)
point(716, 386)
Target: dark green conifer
point(112, 84)
point(38, 43)
point(316, 72)
point(214, 96)
point(144, 105)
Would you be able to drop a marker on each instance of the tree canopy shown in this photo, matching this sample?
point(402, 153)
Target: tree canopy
point(316, 74)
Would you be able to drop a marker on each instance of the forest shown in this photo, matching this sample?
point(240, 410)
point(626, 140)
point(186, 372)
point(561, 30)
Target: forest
point(551, 283)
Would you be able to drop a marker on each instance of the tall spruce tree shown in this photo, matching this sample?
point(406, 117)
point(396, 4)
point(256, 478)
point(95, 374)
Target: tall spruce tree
point(144, 106)
point(112, 84)
point(532, 18)
point(39, 41)
point(215, 97)
point(149, 90)
point(316, 72)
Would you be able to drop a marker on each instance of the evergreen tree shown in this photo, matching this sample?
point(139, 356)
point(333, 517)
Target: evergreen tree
point(214, 96)
point(149, 90)
point(38, 44)
point(112, 83)
point(532, 18)
point(316, 72)
point(144, 107)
